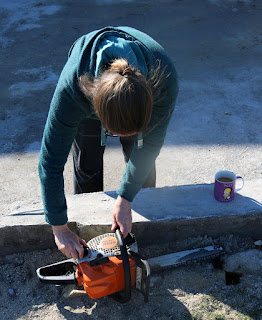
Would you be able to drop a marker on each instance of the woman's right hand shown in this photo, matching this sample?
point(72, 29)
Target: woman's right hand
point(68, 242)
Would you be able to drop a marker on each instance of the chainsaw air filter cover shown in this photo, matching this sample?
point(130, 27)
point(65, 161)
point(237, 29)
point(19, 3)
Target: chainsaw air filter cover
point(106, 245)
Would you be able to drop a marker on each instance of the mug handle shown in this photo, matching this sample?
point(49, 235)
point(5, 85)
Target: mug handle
point(242, 184)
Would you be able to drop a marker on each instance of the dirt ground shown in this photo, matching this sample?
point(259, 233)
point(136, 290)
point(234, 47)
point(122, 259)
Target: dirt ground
point(197, 291)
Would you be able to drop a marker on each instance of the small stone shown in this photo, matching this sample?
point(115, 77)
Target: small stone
point(11, 292)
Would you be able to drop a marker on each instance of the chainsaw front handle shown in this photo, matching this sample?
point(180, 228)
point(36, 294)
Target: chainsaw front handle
point(125, 295)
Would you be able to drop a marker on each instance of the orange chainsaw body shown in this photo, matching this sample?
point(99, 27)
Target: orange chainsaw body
point(105, 279)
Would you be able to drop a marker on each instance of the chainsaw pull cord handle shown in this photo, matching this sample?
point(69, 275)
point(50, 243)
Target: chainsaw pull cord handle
point(126, 295)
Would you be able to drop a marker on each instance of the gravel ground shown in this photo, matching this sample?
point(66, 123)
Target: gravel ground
point(195, 291)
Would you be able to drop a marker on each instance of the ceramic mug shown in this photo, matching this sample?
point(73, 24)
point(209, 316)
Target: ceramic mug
point(225, 186)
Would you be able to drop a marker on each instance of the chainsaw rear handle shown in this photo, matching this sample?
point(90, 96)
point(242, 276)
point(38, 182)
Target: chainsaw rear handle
point(62, 272)
point(125, 295)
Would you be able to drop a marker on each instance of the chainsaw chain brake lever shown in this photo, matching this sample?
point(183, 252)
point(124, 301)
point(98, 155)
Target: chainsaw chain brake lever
point(129, 239)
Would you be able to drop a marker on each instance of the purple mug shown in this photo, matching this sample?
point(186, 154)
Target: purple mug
point(225, 186)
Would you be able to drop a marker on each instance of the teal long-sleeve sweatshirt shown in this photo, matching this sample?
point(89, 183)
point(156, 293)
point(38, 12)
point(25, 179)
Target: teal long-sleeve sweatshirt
point(69, 107)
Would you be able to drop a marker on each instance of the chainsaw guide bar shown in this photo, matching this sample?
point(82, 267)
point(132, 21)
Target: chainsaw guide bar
point(184, 257)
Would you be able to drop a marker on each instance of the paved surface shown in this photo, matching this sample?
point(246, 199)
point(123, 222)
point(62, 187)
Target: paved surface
point(216, 47)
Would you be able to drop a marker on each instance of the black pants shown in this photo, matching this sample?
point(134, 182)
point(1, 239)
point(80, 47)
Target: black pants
point(88, 158)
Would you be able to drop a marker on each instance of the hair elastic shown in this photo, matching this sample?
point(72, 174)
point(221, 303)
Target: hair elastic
point(127, 73)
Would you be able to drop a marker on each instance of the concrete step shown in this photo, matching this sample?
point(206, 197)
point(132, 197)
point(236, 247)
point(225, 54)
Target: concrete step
point(160, 215)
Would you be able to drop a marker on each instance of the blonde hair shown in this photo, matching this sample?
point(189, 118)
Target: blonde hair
point(121, 96)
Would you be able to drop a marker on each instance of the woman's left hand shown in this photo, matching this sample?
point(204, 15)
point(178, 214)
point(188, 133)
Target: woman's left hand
point(122, 216)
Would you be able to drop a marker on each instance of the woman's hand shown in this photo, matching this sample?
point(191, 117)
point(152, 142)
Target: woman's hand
point(68, 242)
point(122, 216)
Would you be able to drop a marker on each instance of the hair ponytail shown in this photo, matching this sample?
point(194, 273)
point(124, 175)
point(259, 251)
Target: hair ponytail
point(122, 98)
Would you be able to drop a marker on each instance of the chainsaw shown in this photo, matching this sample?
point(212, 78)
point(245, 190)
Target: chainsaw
point(111, 266)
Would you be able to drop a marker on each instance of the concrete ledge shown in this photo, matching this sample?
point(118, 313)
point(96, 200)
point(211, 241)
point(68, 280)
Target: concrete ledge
point(159, 215)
